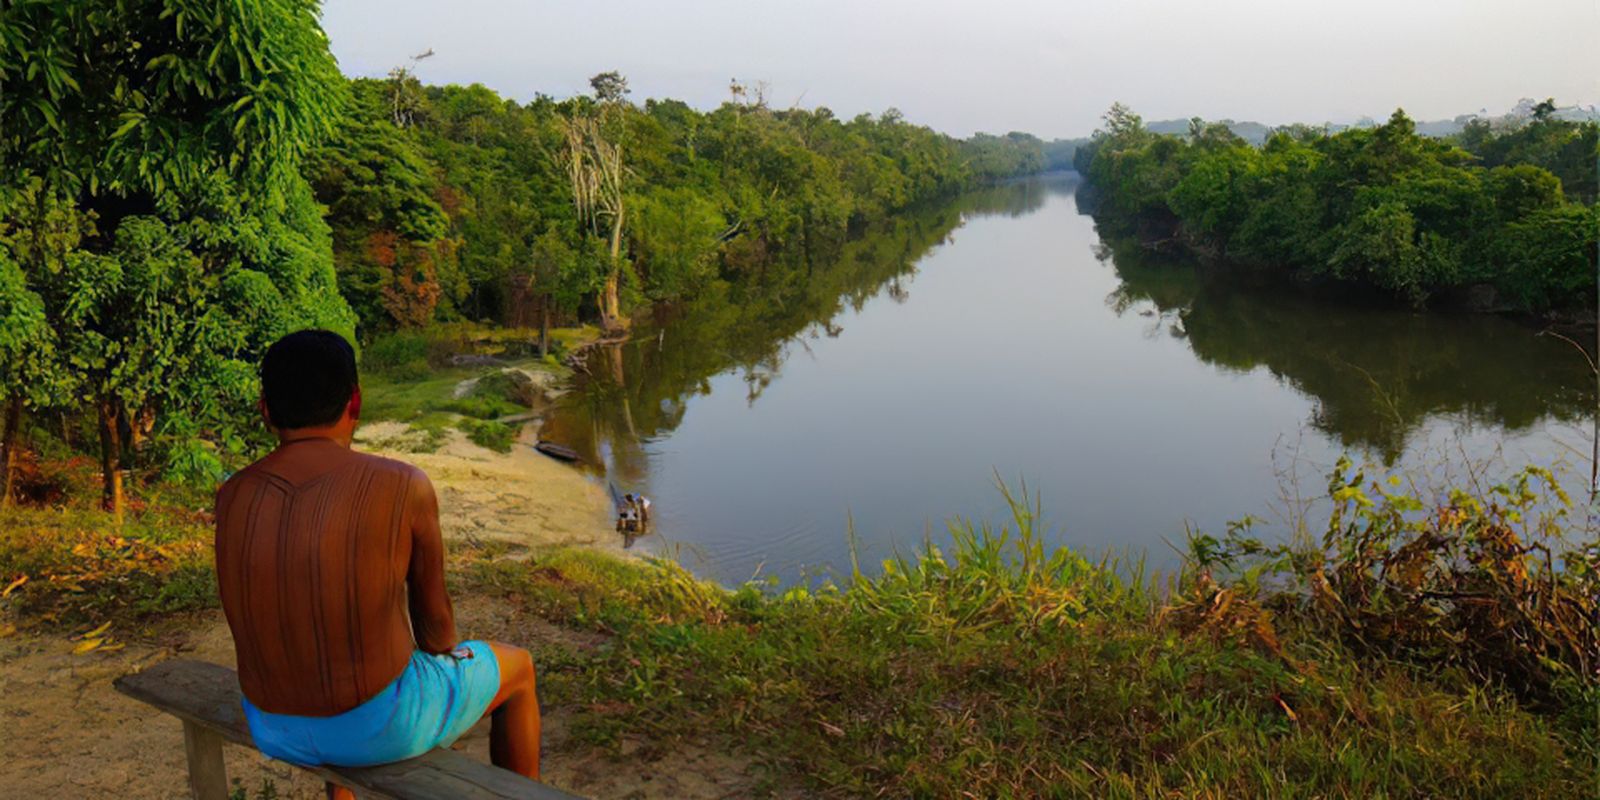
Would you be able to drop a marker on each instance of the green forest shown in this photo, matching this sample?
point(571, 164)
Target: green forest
point(185, 182)
point(455, 203)
point(1497, 220)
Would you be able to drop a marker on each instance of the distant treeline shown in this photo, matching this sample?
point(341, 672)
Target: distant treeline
point(454, 202)
point(1489, 219)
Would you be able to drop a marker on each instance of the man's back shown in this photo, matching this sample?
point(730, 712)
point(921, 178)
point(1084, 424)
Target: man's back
point(314, 547)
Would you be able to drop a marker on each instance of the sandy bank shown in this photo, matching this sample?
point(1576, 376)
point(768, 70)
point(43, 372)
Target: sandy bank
point(521, 498)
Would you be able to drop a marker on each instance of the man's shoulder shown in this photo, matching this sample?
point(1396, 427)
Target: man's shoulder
point(247, 475)
point(412, 473)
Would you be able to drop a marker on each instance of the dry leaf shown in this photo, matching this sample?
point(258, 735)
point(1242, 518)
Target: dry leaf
point(1293, 717)
point(86, 645)
point(14, 584)
point(96, 632)
point(7, 629)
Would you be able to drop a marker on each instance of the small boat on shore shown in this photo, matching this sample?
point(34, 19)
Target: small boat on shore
point(559, 452)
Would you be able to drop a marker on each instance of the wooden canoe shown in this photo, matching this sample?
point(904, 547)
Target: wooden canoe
point(559, 452)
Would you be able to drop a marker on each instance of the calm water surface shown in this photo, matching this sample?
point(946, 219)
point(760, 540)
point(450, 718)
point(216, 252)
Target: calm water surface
point(999, 334)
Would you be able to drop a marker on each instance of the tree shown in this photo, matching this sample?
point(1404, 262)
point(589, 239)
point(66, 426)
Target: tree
point(30, 374)
point(1519, 190)
point(551, 279)
point(597, 176)
point(164, 139)
point(1121, 121)
point(610, 87)
point(132, 102)
point(392, 240)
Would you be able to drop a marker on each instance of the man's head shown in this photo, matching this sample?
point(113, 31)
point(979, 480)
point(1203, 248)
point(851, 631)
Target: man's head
point(309, 384)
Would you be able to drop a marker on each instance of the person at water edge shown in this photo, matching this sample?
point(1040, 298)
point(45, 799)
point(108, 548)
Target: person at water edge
point(330, 565)
point(643, 504)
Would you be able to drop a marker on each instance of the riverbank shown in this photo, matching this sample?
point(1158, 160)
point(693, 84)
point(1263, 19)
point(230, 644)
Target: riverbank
point(993, 665)
point(518, 499)
point(467, 405)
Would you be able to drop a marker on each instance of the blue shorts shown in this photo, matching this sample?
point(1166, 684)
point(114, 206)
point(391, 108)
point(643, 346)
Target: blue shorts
point(433, 702)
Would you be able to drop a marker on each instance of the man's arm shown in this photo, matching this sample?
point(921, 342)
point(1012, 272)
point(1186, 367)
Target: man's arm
point(432, 620)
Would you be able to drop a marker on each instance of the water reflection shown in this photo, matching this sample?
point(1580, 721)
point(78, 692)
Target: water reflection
point(634, 393)
point(1376, 373)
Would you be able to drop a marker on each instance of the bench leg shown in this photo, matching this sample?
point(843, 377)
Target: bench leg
point(208, 776)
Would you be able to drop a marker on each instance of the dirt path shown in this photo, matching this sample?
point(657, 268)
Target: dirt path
point(65, 732)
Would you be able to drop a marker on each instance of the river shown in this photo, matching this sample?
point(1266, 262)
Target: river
point(1137, 396)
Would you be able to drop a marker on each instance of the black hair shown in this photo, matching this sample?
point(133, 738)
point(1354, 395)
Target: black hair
point(307, 379)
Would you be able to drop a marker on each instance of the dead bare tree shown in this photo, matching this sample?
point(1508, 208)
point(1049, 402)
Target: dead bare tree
point(598, 174)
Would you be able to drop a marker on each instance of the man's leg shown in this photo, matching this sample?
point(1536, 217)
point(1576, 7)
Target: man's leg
point(514, 726)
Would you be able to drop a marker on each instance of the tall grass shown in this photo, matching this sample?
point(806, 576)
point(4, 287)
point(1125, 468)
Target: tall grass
point(998, 666)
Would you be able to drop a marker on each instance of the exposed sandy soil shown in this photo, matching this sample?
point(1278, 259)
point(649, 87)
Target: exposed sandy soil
point(520, 497)
point(65, 732)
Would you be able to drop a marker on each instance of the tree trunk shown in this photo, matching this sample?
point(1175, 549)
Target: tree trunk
point(544, 326)
point(611, 313)
point(110, 459)
point(608, 305)
point(8, 448)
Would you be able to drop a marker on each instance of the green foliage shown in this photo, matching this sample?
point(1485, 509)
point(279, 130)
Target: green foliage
point(152, 98)
point(1414, 217)
point(993, 157)
point(402, 355)
point(1567, 150)
point(400, 386)
point(496, 436)
point(28, 358)
point(676, 232)
point(395, 257)
point(152, 209)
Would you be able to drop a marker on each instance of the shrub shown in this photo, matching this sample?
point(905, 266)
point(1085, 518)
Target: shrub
point(496, 436)
point(402, 354)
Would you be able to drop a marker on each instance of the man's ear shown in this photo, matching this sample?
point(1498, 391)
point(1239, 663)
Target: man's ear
point(266, 416)
point(353, 410)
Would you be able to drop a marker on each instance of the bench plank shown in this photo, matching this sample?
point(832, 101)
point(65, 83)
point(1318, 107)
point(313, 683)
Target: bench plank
point(207, 695)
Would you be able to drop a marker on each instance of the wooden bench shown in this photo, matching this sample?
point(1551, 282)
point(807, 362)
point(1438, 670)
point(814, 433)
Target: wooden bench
point(206, 698)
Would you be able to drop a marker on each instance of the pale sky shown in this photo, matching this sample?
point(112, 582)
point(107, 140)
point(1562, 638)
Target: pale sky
point(1050, 68)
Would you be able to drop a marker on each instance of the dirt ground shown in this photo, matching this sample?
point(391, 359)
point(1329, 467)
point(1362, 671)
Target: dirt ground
point(65, 732)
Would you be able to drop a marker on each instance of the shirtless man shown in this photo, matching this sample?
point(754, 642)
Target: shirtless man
point(331, 570)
